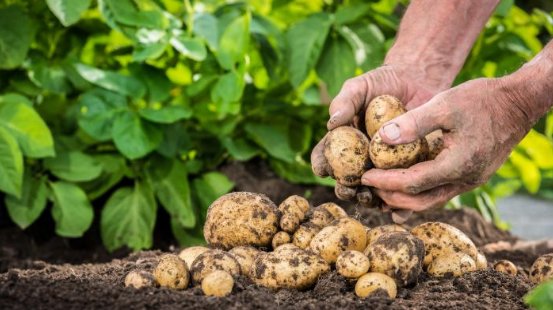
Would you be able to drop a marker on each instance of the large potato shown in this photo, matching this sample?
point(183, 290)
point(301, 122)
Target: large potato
point(451, 264)
point(372, 282)
point(375, 233)
point(398, 255)
point(385, 156)
point(347, 154)
point(441, 238)
point(171, 271)
point(245, 255)
point(352, 264)
point(334, 209)
point(305, 233)
point(542, 269)
point(213, 260)
point(341, 235)
point(241, 218)
point(188, 255)
point(288, 267)
point(381, 110)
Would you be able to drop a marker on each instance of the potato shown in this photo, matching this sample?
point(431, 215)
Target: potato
point(334, 209)
point(385, 156)
point(341, 235)
point(218, 283)
point(451, 264)
point(241, 218)
point(375, 233)
point(289, 223)
point(352, 264)
point(295, 205)
point(347, 153)
point(305, 233)
point(542, 269)
point(398, 255)
point(213, 260)
point(481, 261)
point(281, 238)
point(372, 282)
point(188, 255)
point(441, 238)
point(288, 267)
point(140, 278)
point(245, 255)
point(505, 266)
point(321, 217)
point(171, 271)
point(381, 110)
point(435, 144)
point(287, 247)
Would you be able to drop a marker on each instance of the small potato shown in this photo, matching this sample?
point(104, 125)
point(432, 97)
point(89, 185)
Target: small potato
point(542, 269)
point(398, 255)
point(241, 218)
point(481, 261)
point(245, 255)
point(334, 209)
point(140, 278)
point(305, 233)
point(373, 282)
point(213, 260)
point(321, 217)
point(375, 233)
point(347, 153)
point(218, 283)
point(505, 266)
point(281, 238)
point(381, 110)
point(289, 223)
point(188, 255)
point(287, 247)
point(171, 271)
point(435, 144)
point(341, 235)
point(451, 264)
point(295, 205)
point(385, 156)
point(352, 264)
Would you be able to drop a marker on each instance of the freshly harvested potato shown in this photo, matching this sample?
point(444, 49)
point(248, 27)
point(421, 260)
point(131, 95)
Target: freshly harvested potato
point(241, 218)
point(305, 233)
point(213, 260)
point(288, 267)
point(334, 209)
point(321, 217)
point(372, 282)
point(451, 264)
point(347, 153)
point(218, 283)
point(287, 247)
point(435, 144)
point(375, 233)
point(481, 261)
point(341, 235)
point(289, 223)
point(381, 110)
point(441, 238)
point(245, 255)
point(188, 255)
point(505, 266)
point(281, 238)
point(171, 271)
point(352, 264)
point(385, 156)
point(398, 255)
point(295, 205)
point(542, 269)
point(140, 278)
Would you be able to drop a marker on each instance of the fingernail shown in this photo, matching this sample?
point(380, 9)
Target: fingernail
point(392, 131)
point(334, 117)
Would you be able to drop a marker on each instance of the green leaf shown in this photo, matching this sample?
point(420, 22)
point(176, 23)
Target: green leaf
point(336, 65)
point(529, 171)
point(25, 210)
point(119, 83)
point(306, 40)
point(539, 148)
point(228, 89)
point(24, 123)
point(97, 111)
point(15, 98)
point(299, 172)
point(16, 34)
point(234, 42)
point(11, 164)
point(129, 217)
point(176, 140)
point(135, 137)
point(159, 86)
point(209, 187)
point(187, 237)
point(68, 11)
point(240, 149)
point(51, 77)
point(506, 188)
point(273, 138)
point(113, 169)
point(192, 48)
point(504, 7)
point(73, 166)
point(166, 115)
point(205, 26)
point(125, 12)
point(541, 297)
point(367, 41)
point(143, 52)
point(350, 13)
point(71, 211)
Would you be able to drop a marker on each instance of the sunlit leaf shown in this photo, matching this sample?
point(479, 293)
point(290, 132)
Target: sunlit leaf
point(71, 211)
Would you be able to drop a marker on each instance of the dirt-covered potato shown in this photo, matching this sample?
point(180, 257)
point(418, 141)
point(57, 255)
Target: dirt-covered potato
point(140, 278)
point(341, 235)
point(288, 267)
point(381, 110)
point(305, 233)
point(375, 233)
point(451, 264)
point(505, 266)
point(218, 283)
point(542, 269)
point(213, 260)
point(289, 223)
point(398, 255)
point(352, 264)
point(440, 238)
point(385, 156)
point(245, 255)
point(295, 205)
point(280, 238)
point(241, 218)
point(287, 247)
point(188, 255)
point(435, 144)
point(373, 282)
point(321, 217)
point(334, 209)
point(347, 153)
point(481, 261)
point(171, 271)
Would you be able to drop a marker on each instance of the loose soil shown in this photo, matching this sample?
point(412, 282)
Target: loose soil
point(48, 272)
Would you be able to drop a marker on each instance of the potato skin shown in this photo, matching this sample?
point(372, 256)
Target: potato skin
point(213, 260)
point(352, 264)
point(241, 218)
point(321, 217)
point(341, 235)
point(372, 282)
point(347, 154)
point(435, 144)
point(375, 233)
point(381, 110)
point(245, 255)
point(296, 205)
point(542, 269)
point(385, 156)
point(289, 223)
point(280, 238)
point(140, 278)
point(398, 255)
point(451, 264)
point(305, 233)
point(334, 209)
point(188, 255)
point(171, 271)
point(481, 261)
point(218, 283)
point(505, 266)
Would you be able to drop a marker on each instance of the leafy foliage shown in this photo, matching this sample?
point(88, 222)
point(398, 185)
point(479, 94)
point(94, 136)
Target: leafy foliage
point(541, 297)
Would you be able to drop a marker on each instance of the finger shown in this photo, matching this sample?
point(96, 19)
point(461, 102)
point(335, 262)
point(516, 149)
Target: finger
point(319, 163)
point(344, 192)
point(400, 216)
point(386, 208)
point(348, 103)
point(435, 197)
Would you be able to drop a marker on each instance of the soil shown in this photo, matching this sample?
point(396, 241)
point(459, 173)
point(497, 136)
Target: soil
point(47, 272)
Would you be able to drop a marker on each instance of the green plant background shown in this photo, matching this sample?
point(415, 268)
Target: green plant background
point(135, 103)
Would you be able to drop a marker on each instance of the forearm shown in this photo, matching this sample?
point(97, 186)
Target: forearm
point(436, 37)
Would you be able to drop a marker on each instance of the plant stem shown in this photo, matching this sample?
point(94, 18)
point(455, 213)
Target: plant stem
point(190, 12)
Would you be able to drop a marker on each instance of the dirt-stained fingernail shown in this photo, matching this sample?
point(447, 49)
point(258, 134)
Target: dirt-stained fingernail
point(392, 131)
point(334, 117)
